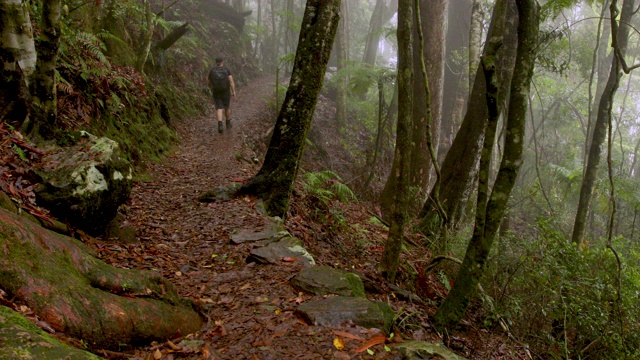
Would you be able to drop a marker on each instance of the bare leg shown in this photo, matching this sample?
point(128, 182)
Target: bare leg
point(219, 116)
point(227, 114)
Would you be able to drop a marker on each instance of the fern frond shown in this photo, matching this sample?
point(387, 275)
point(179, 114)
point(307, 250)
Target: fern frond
point(342, 192)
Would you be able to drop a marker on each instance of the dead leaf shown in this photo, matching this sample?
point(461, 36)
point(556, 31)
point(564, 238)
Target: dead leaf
point(157, 355)
point(289, 259)
point(338, 343)
point(347, 335)
point(380, 339)
point(173, 346)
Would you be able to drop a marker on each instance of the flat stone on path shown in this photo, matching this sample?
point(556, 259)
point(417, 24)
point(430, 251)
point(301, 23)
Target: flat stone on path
point(418, 350)
point(249, 235)
point(324, 280)
point(339, 309)
point(282, 250)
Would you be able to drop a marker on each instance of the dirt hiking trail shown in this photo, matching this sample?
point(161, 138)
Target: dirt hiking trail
point(249, 307)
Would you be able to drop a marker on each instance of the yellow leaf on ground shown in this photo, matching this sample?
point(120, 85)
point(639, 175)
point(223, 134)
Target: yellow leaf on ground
point(157, 355)
point(338, 343)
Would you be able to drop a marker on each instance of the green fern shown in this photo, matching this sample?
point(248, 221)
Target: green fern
point(326, 186)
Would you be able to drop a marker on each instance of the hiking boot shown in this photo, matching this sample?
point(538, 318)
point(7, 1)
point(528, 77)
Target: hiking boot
point(220, 128)
point(228, 124)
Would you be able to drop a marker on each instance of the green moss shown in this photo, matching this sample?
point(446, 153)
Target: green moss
point(20, 339)
point(355, 283)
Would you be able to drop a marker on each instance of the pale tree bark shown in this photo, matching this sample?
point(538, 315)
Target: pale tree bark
point(603, 117)
point(274, 181)
point(45, 108)
point(455, 75)
point(488, 219)
point(424, 116)
point(382, 13)
point(460, 166)
point(391, 256)
point(341, 57)
point(17, 43)
point(18, 61)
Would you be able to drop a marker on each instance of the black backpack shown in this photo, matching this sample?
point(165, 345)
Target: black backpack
point(219, 79)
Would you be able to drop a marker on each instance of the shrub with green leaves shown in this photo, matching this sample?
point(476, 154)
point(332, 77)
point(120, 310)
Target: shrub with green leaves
point(567, 302)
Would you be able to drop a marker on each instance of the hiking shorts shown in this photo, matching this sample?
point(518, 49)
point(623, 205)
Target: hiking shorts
point(222, 100)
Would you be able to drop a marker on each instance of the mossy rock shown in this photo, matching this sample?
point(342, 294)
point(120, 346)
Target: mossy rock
point(85, 184)
point(418, 350)
point(20, 339)
point(275, 252)
point(324, 280)
point(339, 309)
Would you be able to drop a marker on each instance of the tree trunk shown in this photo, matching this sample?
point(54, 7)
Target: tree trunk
point(398, 219)
point(455, 75)
point(382, 13)
point(174, 36)
point(434, 34)
point(17, 37)
point(602, 120)
point(421, 165)
point(341, 56)
point(460, 165)
point(145, 38)
point(45, 108)
point(18, 57)
point(274, 181)
point(472, 268)
point(475, 38)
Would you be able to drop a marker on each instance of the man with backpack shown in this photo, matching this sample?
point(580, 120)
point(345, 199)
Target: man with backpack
point(222, 88)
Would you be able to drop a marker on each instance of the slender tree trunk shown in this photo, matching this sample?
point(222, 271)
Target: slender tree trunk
point(45, 109)
point(475, 38)
point(145, 47)
point(602, 120)
point(423, 116)
point(391, 255)
point(460, 166)
point(455, 75)
point(472, 268)
point(274, 181)
point(382, 13)
point(341, 55)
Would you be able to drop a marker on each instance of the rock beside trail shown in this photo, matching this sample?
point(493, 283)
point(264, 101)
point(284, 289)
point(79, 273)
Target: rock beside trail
point(84, 184)
point(219, 194)
point(418, 350)
point(285, 249)
point(340, 309)
point(20, 339)
point(119, 230)
point(273, 232)
point(323, 280)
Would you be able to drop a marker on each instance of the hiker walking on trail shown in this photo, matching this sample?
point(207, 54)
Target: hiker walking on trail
point(222, 88)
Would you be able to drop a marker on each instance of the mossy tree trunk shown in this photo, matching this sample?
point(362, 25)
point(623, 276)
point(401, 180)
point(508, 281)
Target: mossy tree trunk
point(489, 218)
point(602, 120)
point(275, 179)
point(426, 111)
point(398, 217)
point(83, 297)
point(460, 166)
point(45, 107)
